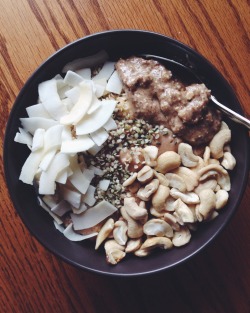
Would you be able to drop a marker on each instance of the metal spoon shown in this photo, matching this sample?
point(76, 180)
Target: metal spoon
point(188, 73)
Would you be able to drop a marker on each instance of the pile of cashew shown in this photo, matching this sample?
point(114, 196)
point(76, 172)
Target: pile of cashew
point(168, 197)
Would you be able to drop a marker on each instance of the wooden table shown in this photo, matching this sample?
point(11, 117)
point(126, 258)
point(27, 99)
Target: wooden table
point(31, 278)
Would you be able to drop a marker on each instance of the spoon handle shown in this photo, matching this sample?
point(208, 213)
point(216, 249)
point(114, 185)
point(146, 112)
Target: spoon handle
point(233, 115)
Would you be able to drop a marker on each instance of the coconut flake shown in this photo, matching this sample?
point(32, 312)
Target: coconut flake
point(93, 215)
point(105, 72)
point(37, 110)
point(73, 236)
point(38, 139)
point(47, 209)
point(81, 209)
point(85, 73)
point(30, 124)
point(81, 107)
point(96, 103)
point(47, 159)
point(92, 122)
point(82, 143)
point(61, 208)
point(95, 149)
point(110, 125)
point(59, 227)
point(23, 137)
point(99, 136)
point(53, 137)
point(96, 170)
point(114, 84)
point(47, 183)
point(104, 184)
point(74, 94)
point(89, 197)
point(72, 79)
point(72, 196)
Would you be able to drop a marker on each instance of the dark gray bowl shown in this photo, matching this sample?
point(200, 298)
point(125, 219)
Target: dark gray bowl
point(119, 43)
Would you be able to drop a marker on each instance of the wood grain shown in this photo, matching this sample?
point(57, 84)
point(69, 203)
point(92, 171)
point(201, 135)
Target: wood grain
point(31, 278)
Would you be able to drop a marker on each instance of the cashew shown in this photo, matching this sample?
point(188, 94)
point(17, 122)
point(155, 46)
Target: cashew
point(212, 216)
point(150, 155)
point(133, 245)
point(207, 203)
point(134, 210)
point(181, 237)
point(169, 205)
point(183, 212)
point(130, 180)
point(189, 197)
point(156, 242)
point(171, 220)
point(190, 177)
point(104, 232)
point(120, 232)
point(211, 167)
point(142, 253)
point(114, 252)
point(199, 165)
point(133, 188)
point(221, 199)
point(155, 213)
point(176, 181)
point(206, 155)
point(146, 192)
point(217, 143)
point(145, 175)
point(208, 175)
point(188, 158)
point(208, 184)
point(157, 227)
point(228, 161)
point(162, 179)
point(224, 181)
point(135, 228)
point(159, 197)
point(168, 161)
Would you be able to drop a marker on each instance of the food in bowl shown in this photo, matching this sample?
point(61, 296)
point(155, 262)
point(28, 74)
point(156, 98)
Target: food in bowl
point(109, 167)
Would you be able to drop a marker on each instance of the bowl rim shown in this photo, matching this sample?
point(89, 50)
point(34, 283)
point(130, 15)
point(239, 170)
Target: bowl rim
point(6, 161)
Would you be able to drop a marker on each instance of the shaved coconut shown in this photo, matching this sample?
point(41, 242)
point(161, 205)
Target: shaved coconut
point(99, 88)
point(61, 208)
point(88, 174)
point(68, 103)
point(37, 110)
point(72, 79)
point(66, 133)
point(89, 197)
point(114, 84)
point(53, 137)
point(47, 90)
point(38, 139)
point(62, 92)
point(97, 119)
point(105, 72)
point(30, 124)
point(73, 197)
point(93, 215)
point(47, 183)
point(50, 200)
point(73, 236)
point(82, 209)
point(96, 103)
point(59, 227)
point(55, 107)
point(62, 177)
point(89, 61)
point(23, 137)
point(99, 136)
point(81, 107)
point(74, 94)
point(85, 73)
point(95, 149)
point(30, 167)
point(80, 180)
point(96, 170)
point(104, 184)
point(82, 143)
point(110, 125)
point(47, 209)
point(47, 159)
